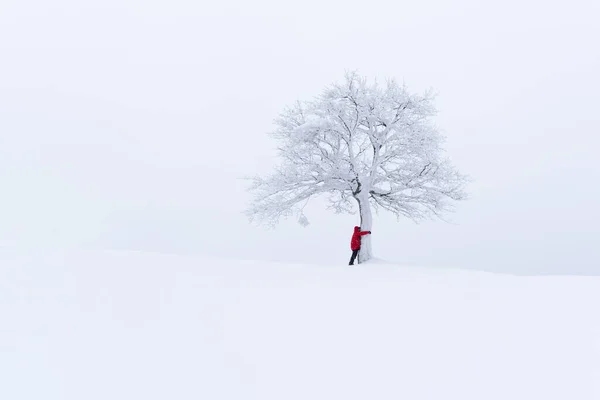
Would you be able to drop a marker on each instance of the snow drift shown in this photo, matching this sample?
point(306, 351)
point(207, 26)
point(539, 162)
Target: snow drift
point(109, 325)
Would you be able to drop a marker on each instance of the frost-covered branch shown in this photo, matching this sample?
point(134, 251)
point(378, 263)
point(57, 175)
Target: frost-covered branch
point(359, 144)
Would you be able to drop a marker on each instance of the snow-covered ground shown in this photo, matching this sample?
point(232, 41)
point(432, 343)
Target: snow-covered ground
point(86, 325)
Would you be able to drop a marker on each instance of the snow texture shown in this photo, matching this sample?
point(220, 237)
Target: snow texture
point(121, 326)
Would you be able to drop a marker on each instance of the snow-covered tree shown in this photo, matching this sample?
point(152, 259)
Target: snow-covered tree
point(362, 145)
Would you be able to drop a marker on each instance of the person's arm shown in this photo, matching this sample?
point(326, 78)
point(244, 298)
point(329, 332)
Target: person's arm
point(363, 233)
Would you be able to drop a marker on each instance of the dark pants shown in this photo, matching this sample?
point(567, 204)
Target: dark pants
point(354, 255)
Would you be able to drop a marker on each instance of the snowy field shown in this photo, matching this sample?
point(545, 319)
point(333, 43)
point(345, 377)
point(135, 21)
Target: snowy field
point(84, 325)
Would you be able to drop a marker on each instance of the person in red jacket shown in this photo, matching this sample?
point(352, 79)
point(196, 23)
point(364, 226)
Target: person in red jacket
point(355, 242)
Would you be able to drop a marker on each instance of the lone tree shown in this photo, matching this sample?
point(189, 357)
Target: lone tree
point(360, 145)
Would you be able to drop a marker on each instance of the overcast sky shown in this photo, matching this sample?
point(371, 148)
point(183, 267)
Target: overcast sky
point(126, 123)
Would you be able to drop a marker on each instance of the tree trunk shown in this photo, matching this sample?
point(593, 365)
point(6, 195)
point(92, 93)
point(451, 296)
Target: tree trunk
point(366, 222)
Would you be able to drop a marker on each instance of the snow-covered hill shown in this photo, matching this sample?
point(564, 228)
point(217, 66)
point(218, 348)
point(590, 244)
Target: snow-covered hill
point(121, 326)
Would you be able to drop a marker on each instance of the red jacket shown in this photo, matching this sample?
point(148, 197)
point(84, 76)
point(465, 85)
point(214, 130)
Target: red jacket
point(355, 242)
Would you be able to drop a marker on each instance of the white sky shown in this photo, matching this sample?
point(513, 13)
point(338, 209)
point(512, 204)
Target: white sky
point(126, 123)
